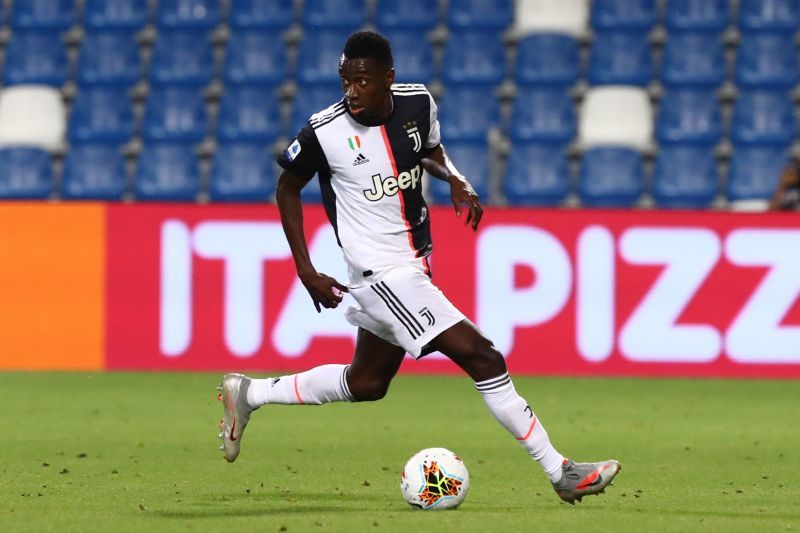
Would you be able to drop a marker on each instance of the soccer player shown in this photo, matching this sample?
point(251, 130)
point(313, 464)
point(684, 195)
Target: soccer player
point(369, 151)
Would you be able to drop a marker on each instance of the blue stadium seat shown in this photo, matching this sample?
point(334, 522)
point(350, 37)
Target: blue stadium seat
point(689, 115)
point(413, 55)
point(693, 58)
point(485, 14)
point(25, 172)
point(611, 177)
point(537, 174)
point(195, 14)
point(318, 58)
point(255, 56)
point(249, 113)
point(101, 114)
point(754, 172)
point(697, 15)
point(547, 58)
point(467, 111)
point(38, 57)
point(182, 56)
point(116, 14)
point(167, 172)
point(474, 56)
point(472, 158)
point(43, 14)
point(769, 15)
point(543, 114)
point(685, 176)
point(264, 14)
point(418, 15)
point(94, 172)
point(763, 117)
point(175, 113)
point(311, 193)
point(620, 58)
point(311, 99)
point(329, 14)
point(109, 58)
point(242, 172)
point(623, 15)
point(767, 60)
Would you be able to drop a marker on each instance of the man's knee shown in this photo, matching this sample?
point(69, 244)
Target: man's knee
point(368, 390)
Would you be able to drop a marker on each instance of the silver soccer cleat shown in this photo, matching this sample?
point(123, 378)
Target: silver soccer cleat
point(236, 413)
point(584, 479)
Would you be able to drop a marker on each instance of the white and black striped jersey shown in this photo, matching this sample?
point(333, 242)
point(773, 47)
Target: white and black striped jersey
point(371, 178)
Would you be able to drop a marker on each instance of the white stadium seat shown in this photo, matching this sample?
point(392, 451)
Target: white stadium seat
point(616, 115)
point(561, 16)
point(32, 115)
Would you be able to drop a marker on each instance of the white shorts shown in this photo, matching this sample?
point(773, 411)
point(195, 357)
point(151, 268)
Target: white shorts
point(402, 306)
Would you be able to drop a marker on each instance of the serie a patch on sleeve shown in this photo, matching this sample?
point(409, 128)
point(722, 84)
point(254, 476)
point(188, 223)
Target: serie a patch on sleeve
point(293, 151)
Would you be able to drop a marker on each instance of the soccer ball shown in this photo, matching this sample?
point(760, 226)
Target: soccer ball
point(434, 478)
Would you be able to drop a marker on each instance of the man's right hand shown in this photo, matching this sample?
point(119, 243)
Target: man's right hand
point(324, 290)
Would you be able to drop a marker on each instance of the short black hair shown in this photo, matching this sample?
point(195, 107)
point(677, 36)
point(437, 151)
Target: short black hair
point(369, 45)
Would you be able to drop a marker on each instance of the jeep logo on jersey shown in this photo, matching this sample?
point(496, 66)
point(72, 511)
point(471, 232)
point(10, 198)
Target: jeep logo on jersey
point(413, 133)
point(390, 185)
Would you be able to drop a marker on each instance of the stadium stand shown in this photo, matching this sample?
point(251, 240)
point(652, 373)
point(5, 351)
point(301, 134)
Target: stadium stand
point(194, 14)
point(408, 15)
point(480, 14)
point(109, 57)
point(32, 115)
point(412, 53)
point(94, 172)
point(616, 115)
point(693, 58)
point(263, 14)
point(690, 116)
point(623, 15)
point(255, 56)
point(537, 174)
point(25, 173)
point(685, 176)
point(754, 173)
point(472, 155)
point(167, 172)
point(543, 114)
point(769, 15)
point(37, 57)
point(547, 59)
point(101, 114)
point(175, 114)
point(182, 57)
point(767, 60)
point(128, 15)
point(474, 56)
point(318, 57)
point(344, 15)
point(43, 15)
point(697, 15)
point(620, 58)
point(475, 125)
point(242, 172)
point(249, 113)
point(561, 16)
point(611, 177)
point(763, 117)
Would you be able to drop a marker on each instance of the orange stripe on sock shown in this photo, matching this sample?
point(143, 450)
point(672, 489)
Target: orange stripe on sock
point(530, 430)
point(297, 391)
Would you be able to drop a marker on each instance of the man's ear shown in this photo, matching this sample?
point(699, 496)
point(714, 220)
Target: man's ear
point(389, 78)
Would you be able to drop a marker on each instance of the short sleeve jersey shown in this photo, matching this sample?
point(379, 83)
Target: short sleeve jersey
point(371, 177)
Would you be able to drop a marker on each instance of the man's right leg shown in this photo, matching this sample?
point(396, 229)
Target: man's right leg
point(367, 378)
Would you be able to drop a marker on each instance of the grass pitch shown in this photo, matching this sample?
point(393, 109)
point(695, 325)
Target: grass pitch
point(136, 452)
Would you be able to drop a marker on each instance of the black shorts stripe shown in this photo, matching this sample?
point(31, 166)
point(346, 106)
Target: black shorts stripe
point(391, 305)
point(403, 307)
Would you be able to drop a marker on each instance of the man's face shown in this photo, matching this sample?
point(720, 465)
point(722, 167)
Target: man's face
point(365, 86)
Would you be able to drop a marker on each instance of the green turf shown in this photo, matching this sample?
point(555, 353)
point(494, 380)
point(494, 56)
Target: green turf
point(134, 452)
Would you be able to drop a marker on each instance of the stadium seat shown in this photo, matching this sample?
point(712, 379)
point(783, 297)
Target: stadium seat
point(175, 113)
point(480, 14)
point(754, 172)
point(318, 58)
point(767, 60)
point(116, 14)
point(311, 99)
point(255, 56)
point(101, 114)
point(249, 113)
point(167, 172)
point(543, 114)
point(264, 14)
point(472, 56)
point(693, 58)
point(456, 123)
point(769, 15)
point(623, 15)
point(37, 57)
point(619, 116)
point(242, 172)
point(620, 58)
point(330, 14)
point(697, 15)
point(94, 172)
point(560, 16)
point(611, 177)
point(190, 14)
point(537, 174)
point(685, 176)
point(418, 15)
point(763, 117)
point(25, 173)
point(413, 55)
point(547, 58)
point(689, 115)
point(43, 14)
point(109, 58)
point(472, 157)
point(182, 56)
point(32, 115)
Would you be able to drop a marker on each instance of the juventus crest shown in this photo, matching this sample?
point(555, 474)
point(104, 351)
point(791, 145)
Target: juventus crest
point(413, 133)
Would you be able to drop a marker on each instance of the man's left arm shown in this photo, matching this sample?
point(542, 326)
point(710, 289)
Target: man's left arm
point(438, 165)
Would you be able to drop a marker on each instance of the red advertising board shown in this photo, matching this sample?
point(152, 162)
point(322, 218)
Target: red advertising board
point(559, 292)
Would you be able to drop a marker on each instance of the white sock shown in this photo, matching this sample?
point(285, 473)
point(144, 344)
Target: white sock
point(323, 384)
point(516, 415)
